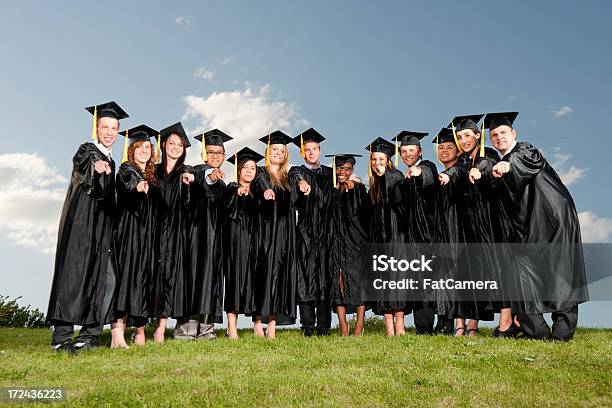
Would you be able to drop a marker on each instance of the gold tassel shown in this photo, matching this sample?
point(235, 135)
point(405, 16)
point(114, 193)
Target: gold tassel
point(302, 153)
point(370, 163)
point(204, 154)
point(396, 153)
point(334, 171)
point(236, 167)
point(158, 149)
point(94, 126)
point(268, 152)
point(455, 136)
point(125, 148)
point(437, 151)
point(482, 140)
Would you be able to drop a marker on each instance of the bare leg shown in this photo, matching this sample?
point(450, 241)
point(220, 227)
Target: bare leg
point(389, 324)
point(258, 327)
point(505, 319)
point(459, 327)
point(344, 329)
point(360, 320)
point(271, 329)
point(232, 325)
point(139, 336)
point(160, 330)
point(472, 327)
point(400, 325)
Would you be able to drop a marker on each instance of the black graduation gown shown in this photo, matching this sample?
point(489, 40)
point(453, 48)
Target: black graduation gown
point(313, 276)
point(542, 210)
point(347, 233)
point(241, 235)
point(384, 228)
point(276, 280)
point(136, 247)
point(205, 252)
point(475, 209)
point(174, 243)
point(84, 242)
point(449, 232)
point(415, 206)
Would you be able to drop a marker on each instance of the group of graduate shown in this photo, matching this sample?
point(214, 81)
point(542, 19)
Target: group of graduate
point(163, 239)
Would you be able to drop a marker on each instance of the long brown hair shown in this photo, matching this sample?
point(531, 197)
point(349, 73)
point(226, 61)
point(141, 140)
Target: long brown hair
point(373, 181)
point(181, 160)
point(149, 172)
point(282, 179)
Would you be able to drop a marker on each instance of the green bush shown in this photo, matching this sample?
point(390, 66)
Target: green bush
point(14, 315)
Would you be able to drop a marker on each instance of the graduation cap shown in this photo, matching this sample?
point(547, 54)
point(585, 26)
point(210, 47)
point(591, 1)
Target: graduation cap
point(380, 145)
point(445, 135)
point(276, 137)
point(213, 137)
point(242, 155)
point(340, 159)
point(407, 138)
point(494, 120)
point(175, 129)
point(309, 135)
point(105, 110)
point(140, 133)
point(460, 123)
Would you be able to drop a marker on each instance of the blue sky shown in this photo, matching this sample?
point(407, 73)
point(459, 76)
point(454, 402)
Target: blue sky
point(354, 70)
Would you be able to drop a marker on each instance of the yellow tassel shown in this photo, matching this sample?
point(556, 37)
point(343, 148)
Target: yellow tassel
point(370, 163)
point(396, 153)
point(235, 167)
point(94, 126)
point(482, 140)
point(302, 153)
point(334, 171)
point(204, 154)
point(268, 152)
point(437, 151)
point(455, 136)
point(158, 149)
point(125, 148)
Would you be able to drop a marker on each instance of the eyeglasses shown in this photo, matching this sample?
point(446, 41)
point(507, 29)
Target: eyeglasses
point(345, 169)
point(215, 154)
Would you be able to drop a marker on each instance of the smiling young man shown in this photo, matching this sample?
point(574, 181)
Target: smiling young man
point(205, 259)
point(83, 278)
point(416, 195)
point(311, 185)
point(551, 267)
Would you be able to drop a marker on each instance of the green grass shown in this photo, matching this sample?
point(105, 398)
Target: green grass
point(368, 371)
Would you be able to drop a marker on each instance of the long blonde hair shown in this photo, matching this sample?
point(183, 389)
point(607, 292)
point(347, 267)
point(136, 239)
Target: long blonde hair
point(282, 178)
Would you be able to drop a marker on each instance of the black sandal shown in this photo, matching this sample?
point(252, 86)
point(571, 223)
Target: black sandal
point(460, 328)
point(472, 330)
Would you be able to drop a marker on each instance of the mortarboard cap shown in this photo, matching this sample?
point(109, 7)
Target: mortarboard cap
point(494, 120)
point(466, 122)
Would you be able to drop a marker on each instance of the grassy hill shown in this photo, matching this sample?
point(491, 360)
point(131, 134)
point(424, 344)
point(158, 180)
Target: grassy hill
point(368, 371)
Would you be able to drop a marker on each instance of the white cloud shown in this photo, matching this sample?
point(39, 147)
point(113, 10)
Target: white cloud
point(228, 60)
point(31, 197)
point(246, 115)
point(206, 74)
point(562, 111)
point(569, 175)
point(594, 228)
point(183, 21)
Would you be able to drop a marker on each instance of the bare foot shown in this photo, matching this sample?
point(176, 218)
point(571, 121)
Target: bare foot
point(119, 345)
point(158, 336)
point(139, 339)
